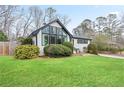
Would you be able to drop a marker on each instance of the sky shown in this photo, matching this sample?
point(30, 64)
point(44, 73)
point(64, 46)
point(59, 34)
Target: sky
point(77, 13)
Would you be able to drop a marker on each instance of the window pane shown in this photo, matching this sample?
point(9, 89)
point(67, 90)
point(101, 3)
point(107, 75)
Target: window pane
point(52, 39)
point(45, 39)
point(64, 38)
point(82, 41)
point(64, 33)
point(59, 40)
point(52, 30)
point(85, 41)
point(59, 31)
point(46, 30)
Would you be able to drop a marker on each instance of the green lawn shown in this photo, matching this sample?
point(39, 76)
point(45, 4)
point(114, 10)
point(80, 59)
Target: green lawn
point(71, 71)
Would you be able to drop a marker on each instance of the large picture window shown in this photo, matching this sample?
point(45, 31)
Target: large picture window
point(65, 38)
point(82, 41)
point(46, 30)
point(64, 34)
point(59, 31)
point(59, 40)
point(53, 35)
point(52, 30)
point(52, 39)
point(45, 39)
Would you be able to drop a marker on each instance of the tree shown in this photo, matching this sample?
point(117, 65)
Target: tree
point(16, 21)
point(84, 29)
point(77, 31)
point(104, 30)
point(27, 21)
point(113, 24)
point(50, 14)
point(18, 28)
point(37, 16)
point(64, 19)
point(87, 27)
point(3, 37)
point(7, 17)
point(101, 41)
point(101, 23)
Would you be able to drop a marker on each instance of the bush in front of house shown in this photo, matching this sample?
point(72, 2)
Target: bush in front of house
point(26, 52)
point(25, 41)
point(68, 44)
point(46, 50)
point(92, 49)
point(57, 50)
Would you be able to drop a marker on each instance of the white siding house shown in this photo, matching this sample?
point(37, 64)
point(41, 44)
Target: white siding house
point(56, 33)
point(81, 43)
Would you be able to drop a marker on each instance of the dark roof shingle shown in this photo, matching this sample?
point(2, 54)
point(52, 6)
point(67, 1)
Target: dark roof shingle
point(57, 20)
point(80, 37)
point(34, 33)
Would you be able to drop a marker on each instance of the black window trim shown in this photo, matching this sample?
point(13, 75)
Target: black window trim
point(49, 34)
point(82, 41)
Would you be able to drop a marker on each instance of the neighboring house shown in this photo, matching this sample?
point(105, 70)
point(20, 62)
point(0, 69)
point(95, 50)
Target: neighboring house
point(56, 33)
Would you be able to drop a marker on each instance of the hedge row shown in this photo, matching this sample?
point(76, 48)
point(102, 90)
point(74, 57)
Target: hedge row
point(32, 51)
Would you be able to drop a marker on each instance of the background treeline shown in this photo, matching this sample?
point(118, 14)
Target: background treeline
point(107, 31)
point(20, 21)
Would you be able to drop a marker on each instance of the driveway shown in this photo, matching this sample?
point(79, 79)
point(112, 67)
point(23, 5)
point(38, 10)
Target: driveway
point(112, 56)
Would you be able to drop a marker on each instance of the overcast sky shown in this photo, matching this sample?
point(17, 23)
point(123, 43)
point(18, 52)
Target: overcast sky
point(77, 13)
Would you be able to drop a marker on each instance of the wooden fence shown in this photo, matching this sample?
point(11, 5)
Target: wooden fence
point(7, 48)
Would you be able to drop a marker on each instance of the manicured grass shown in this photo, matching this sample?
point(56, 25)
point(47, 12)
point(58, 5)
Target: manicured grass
point(71, 71)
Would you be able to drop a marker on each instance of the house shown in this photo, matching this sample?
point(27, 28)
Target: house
point(56, 33)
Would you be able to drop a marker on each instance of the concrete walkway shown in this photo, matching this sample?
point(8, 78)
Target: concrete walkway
point(112, 56)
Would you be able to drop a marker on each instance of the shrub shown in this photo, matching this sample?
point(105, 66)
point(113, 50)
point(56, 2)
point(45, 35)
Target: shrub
point(3, 37)
point(46, 50)
point(121, 49)
point(114, 50)
point(25, 41)
point(26, 51)
point(101, 41)
point(20, 39)
point(68, 44)
point(57, 50)
point(92, 49)
point(102, 47)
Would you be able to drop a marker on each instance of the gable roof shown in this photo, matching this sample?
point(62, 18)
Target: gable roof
point(34, 33)
point(56, 20)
